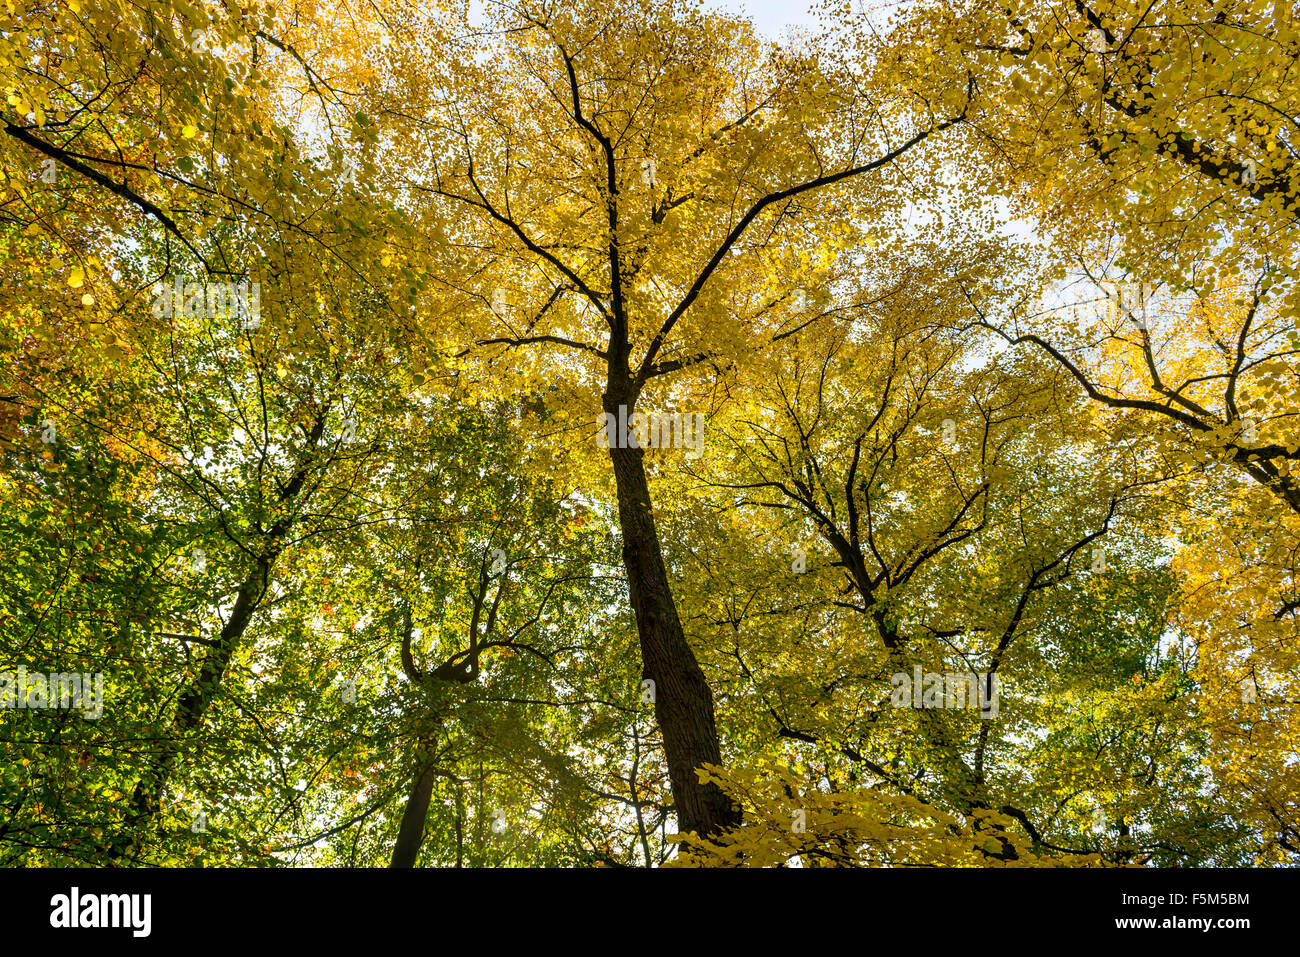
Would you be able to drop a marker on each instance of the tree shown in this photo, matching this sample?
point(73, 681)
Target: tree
point(625, 227)
point(597, 436)
point(948, 517)
point(1155, 142)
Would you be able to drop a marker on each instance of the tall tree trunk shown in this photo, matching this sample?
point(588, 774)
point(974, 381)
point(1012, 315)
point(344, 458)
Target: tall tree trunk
point(410, 835)
point(683, 700)
point(192, 705)
point(202, 691)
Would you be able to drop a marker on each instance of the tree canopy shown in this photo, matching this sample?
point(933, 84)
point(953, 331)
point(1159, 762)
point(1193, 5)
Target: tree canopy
point(550, 433)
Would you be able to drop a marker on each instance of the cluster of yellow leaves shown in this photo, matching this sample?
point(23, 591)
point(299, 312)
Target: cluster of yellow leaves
point(786, 818)
point(1240, 574)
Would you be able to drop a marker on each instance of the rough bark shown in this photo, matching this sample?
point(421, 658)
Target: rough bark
point(683, 700)
point(410, 835)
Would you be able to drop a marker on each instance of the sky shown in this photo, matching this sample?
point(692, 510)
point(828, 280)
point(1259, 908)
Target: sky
point(771, 16)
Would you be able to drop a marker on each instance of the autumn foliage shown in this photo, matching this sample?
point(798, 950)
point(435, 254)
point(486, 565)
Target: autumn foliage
point(317, 322)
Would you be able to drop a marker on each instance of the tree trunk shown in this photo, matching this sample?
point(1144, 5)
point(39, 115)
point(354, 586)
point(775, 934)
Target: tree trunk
point(202, 691)
point(683, 701)
point(411, 833)
point(190, 709)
